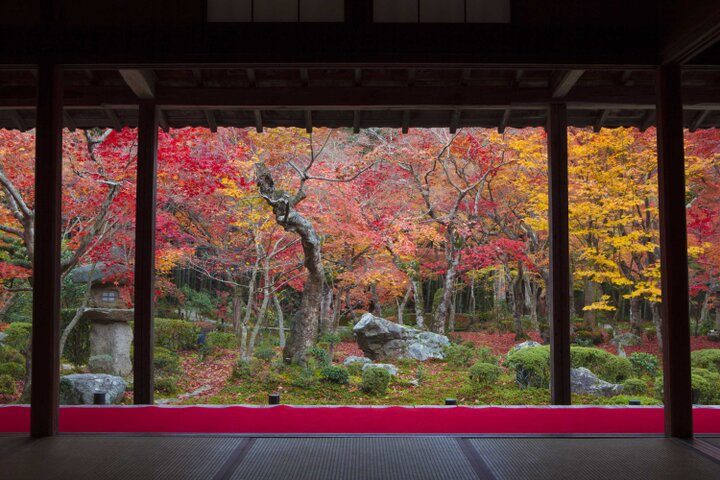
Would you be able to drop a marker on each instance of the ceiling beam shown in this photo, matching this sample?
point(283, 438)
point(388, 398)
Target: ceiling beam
point(698, 120)
point(691, 29)
point(68, 121)
point(114, 120)
point(141, 82)
point(600, 122)
point(563, 83)
point(16, 119)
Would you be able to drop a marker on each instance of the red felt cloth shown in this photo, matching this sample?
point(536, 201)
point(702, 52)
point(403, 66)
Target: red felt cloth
point(368, 420)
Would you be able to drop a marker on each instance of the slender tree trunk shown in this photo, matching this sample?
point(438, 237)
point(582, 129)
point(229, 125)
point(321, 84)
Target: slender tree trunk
point(281, 320)
point(717, 312)
point(403, 304)
point(472, 306)
point(636, 315)
point(517, 301)
point(263, 309)
point(590, 297)
point(419, 302)
point(451, 315)
point(499, 286)
point(532, 292)
point(704, 314)
point(657, 321)
point(443, 312)
point(374, 301)
point(326, 313)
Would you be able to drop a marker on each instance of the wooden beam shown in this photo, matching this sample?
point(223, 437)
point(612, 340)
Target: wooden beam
point(251, 77)
point(564, 82)
point(504, 120)
point(114, 120)
point(304, 77)
point(465, 74)
point(559, 313)
point(16, 120)
point(690, 30)
point(68, 121)
point(210, 118)
point(648, 120)
point(411, 77)
point(162, 120)
point(405, 121)
point(258, 121)
point(358, 77)
point(146, 205)
point(308, 121)
point(141, 82)
point(356, 121)
point(600, 122)
point(698, 120)
point(46, 263)
point(673, 255)
point(454, 121)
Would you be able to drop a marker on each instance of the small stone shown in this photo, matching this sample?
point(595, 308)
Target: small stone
point(524, 345)
point(713, 336)
point(391, 369)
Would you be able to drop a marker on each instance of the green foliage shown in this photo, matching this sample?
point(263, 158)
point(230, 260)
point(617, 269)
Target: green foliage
point(625, 400)
point(321, 356)
point(708, 359)
point(265, 354)
point(20, 309)
point(635, 386)
point(166, 362)
point(644, 364)
point(241, 370)
point(335, 374)
point(346, 334)
point(355, 368)
point(532, 366)
point(166, 384)
point(588, 338)
point(7, 385)
point(651, 332)
point(375, 381)
point(77, 346)
point(100, 363)
point(705, 386)
point(420, 374)
point(482, 374)
point(9, 355)
point(330, 338)
point(221, 340)
point(15, 370)
point(176, 334)
point(485, 355)
point(305, 379)
point(18, 336)
point(437, 298)
point(459, 355)
point(604, 364)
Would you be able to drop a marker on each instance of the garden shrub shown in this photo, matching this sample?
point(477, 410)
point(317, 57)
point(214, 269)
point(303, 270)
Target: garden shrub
point(305, 379)
point(15, 370)
point(18, 336)
point(644, 363)
point(604, 364)
point(335, 374)
point(485, 355)
point(166, 362)
point(264, 353)
point(651, 332)
point(321, 356)
point(482, 374)
point(588, 338)
point(100, 363)
point(7, 385)
point(635, 386)
point(176, 334)
point(221, 340)
point(355, 368)
point(9, 355)
point(166, 384)
point(705, 386)
point(420, 374)
point(241, 370)
point(375, 381)
point(532, 366)
point(708, 359)
point(459, 355)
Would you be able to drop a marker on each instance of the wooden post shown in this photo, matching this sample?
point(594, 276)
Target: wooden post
point(673, 254)
point(145, 253)
point(45, 363)
point(559, 255)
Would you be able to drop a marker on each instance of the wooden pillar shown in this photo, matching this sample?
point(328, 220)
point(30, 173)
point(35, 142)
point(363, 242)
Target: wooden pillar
point(559, 255)
point(45, 363)
point(673, 254)
point(145, 253)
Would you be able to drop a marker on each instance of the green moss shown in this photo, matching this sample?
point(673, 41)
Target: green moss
point(708, 359)
point(459, 355)
point(166, 384)
point(531, 365)
point(635, 386)
point(604, 364)
point(15, 370)
point(18, 336)
point(166, 362)
point(7, 385)
point(176, 334)
point(224, 340)
point(625, 400)
point(375, 381)
point(482, 374)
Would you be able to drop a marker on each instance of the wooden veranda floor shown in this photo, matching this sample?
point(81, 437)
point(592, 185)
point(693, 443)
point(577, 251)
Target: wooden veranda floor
point(79, 457)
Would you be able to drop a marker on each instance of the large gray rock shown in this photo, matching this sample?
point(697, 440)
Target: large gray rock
point(625, 340)
point(584, 382)
point(524, 345)
point(78, 389)
point(353, 359)
point(391, 369)
point(379, 338)
point(111, 342)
